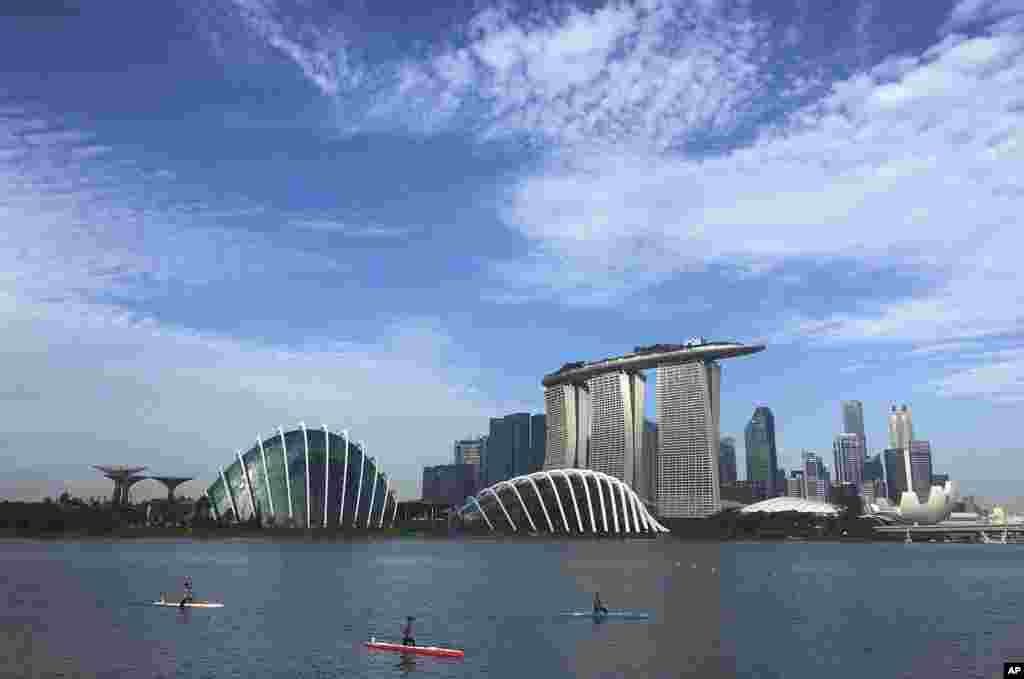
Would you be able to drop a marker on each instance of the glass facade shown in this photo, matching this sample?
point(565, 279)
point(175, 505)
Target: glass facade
point(239, 490)
point(254, 468)
point(253, 484)
point(295, 446)
point(317, 474)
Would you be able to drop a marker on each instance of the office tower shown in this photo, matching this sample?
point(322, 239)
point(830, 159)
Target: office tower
point(921, 468)
point(897, 473)
point(848, 450)
point(874, 478)
point(901, 428)
point(449, 484)
point(688, 438)
point(796, 484)
point(616, 425)
point(538, 441)
point(762, 459)
point(510, 448)
point(471, 451)
point(727, 460)
point(816, 480)
point(853, 419)
point(651, 460)
point(568, 426)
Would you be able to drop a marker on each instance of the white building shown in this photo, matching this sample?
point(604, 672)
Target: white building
point(688, 439)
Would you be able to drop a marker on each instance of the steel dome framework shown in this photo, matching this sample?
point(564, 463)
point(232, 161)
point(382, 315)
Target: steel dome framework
point(561, 501)
point(309, 477)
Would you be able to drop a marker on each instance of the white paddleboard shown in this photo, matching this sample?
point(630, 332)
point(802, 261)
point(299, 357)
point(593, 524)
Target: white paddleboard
point(194, 604)
point(626, 615)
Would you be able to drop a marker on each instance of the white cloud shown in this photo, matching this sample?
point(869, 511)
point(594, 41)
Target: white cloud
point(652, 73)
point(997, 380)
point(131, 389)
point(314, 46)
point(93, 383)
point(915, 164)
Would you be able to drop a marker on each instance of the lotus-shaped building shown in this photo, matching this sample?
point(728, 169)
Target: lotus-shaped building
point(911, 510)
point(306, 478)
point(580, 501)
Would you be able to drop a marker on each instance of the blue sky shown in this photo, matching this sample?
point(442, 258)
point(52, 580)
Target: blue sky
point(397, 217)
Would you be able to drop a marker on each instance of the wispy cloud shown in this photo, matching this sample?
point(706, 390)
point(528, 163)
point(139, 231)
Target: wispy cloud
point(125, 384)
point(311, 44)
point(349, 229)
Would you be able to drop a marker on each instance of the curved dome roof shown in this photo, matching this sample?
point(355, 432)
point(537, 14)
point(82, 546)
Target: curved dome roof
point(777, 505)
point(305, 478)
point(561, 501)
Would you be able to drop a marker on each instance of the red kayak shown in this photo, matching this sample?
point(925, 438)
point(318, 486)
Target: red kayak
point(420, 650)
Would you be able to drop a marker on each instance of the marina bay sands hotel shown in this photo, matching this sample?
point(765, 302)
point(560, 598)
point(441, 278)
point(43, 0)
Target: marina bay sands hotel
point(595, 420)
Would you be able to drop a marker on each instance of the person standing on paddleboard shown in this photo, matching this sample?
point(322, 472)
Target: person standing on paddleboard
point(407, 639)
point(599, 605)
point(187, 599)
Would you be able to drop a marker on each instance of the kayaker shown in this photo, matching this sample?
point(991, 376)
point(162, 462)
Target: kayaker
point(407, 639)
point(599, 605)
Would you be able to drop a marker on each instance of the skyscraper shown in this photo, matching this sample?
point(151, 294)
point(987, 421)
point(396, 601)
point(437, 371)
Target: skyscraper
point(568, 426)
point(848, 450)
point(921, 468)
point(853, 419)
point(901, 429)
point(538, 442)
point(470, 451)
point(688, 438)
point(651, 461)
point(874, 478)
point(510, 449)
point(816, 478)
point(762, 457)
point(727, 460)
point(796, 485)
point(616, 425)
point(897, 473)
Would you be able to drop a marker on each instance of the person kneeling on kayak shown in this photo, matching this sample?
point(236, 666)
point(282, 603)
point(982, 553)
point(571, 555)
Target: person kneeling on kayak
point(599, 605)
point(407, 639)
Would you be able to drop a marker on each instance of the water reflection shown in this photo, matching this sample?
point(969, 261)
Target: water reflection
point(406, 663)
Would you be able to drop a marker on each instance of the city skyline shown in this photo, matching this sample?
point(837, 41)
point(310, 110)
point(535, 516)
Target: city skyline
point(394, 224)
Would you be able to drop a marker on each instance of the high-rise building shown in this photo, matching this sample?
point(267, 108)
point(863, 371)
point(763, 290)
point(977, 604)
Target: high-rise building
point(727, 460)
point(901, 428)
point(470, 451)
point(897, 473)
point(651, 460)
point(796, 485)
point(848, 450)
point(816, 479)
point(780, 481)
point(617, 425)
point(853, 419)
point(688, 438)
point(449, 484)
point(511, 448)
point(538, 442)
point(568, 426)
point(874, 478)
point(921, 468)
point(762, 457)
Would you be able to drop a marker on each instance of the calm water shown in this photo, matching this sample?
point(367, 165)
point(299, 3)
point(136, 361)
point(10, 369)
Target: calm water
point(303, 610)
